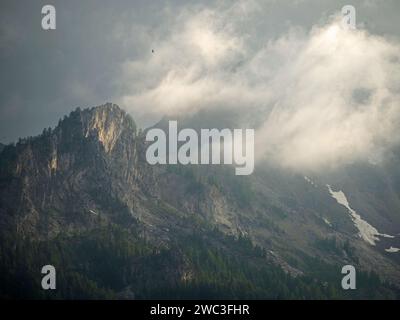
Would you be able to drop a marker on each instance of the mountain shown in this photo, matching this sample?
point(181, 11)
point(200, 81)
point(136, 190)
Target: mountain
point(83, 198)
point(1, 147)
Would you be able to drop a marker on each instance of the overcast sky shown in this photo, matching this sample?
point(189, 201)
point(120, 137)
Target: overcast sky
point(247, 55)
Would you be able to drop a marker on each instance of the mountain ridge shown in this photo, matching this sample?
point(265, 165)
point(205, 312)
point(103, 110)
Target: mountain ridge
point(89, 173)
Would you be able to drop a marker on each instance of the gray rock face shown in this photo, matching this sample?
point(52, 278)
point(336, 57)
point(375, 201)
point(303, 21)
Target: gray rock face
point(91, 170)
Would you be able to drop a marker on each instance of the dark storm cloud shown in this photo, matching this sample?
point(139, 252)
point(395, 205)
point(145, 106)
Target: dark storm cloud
point(45, 74)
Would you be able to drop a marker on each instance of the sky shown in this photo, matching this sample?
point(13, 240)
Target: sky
point(322, 95)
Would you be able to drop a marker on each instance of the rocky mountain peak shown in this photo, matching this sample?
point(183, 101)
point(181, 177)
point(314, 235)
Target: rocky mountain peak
point(87, 184)
point(106, 122)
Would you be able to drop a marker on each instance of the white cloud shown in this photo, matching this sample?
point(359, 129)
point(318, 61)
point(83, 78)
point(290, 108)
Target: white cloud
point(340, 100)
point(328, 96)
point(188, 67)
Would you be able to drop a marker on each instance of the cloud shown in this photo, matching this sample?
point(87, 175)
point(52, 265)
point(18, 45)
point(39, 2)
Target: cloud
point(339, 101)
point(188, 67)
point(324, 97)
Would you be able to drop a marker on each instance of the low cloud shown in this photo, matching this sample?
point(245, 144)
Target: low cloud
point(339, 100)
point(322, 97)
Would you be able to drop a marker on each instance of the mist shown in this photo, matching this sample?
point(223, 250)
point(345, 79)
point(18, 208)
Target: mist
point(326, 97)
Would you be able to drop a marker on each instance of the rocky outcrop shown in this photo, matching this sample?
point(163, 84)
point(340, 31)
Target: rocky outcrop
point(90, 170)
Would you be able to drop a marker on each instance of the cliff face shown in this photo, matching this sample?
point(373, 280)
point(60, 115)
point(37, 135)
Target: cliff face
point(54, 178)
point(90, 173)
point(91, 168)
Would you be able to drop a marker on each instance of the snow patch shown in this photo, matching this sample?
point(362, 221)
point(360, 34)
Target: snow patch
point(327, 222)
point(392, 249)
point(309, 181)
point(366, 231)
